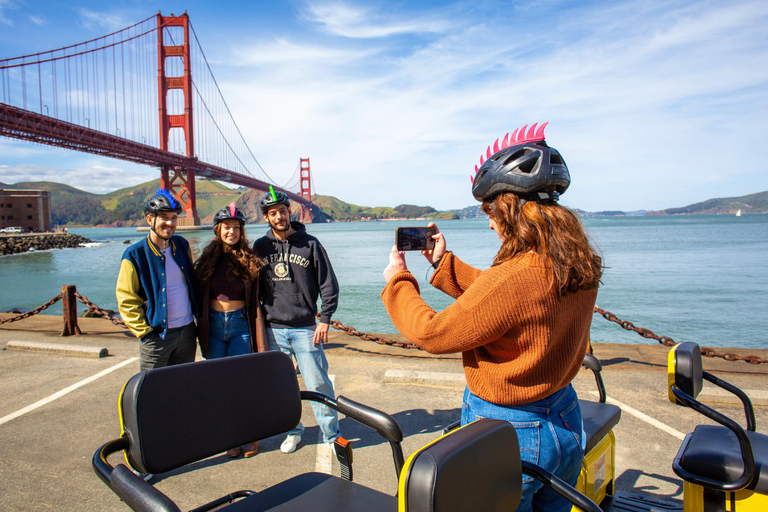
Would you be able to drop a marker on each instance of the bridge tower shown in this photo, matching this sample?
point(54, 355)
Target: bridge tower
point(304, 181)
point(180, 181)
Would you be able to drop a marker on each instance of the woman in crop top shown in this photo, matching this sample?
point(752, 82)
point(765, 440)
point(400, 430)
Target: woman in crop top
point(230, 322)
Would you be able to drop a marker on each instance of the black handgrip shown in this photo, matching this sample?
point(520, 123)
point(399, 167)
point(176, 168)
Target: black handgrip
point(560, 487)
point(378, 420)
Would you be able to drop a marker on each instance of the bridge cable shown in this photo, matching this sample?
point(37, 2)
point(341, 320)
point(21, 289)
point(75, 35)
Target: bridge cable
point(227, 106)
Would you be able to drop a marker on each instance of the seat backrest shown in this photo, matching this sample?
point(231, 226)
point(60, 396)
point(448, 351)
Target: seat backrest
point(684, 370)
point(476, 467)
point(180, 414)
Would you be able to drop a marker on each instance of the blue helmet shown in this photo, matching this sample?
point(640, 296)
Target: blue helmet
point(162, 201)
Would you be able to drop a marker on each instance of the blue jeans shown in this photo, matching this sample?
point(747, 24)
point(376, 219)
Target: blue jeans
point(314, 369)
point(549, 432)
point(228, 334)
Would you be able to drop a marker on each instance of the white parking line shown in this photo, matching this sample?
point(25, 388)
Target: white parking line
point(642, 416)
point(324, 459)
point(64, 391)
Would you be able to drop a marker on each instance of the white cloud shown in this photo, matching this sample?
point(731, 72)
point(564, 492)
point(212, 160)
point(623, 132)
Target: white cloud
point(110, 21)
point(95, 178)
point(6, 5)
point(354, 21)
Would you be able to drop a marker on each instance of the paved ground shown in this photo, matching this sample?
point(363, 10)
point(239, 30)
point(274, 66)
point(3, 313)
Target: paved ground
point(56, 410)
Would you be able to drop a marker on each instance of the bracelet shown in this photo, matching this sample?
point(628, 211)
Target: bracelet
point(437, 263)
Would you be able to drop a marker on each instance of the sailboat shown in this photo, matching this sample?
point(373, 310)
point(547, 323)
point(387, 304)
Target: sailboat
point(738, 213)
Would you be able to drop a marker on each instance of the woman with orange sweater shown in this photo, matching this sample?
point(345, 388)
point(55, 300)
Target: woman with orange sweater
point(522, 325)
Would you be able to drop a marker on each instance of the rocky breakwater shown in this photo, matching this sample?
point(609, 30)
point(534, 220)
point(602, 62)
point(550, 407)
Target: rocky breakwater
point(15, 244)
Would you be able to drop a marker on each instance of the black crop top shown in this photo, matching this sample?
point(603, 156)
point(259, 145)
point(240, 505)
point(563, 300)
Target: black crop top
point(222, 288)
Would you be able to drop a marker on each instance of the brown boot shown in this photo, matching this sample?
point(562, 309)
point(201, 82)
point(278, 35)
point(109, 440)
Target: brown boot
point(234, 452)
point(251, 449)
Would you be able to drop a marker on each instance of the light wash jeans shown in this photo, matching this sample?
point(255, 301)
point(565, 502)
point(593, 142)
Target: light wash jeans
point(549, 432)
point(228, 334)
point(314, 370)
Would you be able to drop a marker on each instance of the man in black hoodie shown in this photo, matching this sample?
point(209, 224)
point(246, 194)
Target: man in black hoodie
point(297, 271)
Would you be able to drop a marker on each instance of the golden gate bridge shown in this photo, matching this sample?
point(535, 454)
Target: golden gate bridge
point(145, 94)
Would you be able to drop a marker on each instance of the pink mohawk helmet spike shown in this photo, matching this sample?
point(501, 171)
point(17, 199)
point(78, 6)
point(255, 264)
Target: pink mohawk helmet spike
point(476, 168)
point(488, 153)
point(531, 131)
point(472, 179)
point(513, 138)
point(482, 160)
point(521, 135)
point(540, 132)
point(505, 141)
point(496, 146)
point(232, 208)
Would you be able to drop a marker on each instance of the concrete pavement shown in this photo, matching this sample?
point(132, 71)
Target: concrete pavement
point(56, 410)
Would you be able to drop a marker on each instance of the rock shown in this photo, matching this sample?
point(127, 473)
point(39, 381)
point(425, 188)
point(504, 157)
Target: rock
point(127, 242)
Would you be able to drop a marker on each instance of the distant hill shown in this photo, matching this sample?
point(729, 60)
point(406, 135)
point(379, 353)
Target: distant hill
point(752, 203)
point(124, 207)
point(341, 211)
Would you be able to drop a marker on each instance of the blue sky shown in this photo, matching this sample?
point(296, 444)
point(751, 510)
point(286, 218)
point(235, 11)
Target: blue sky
point(653, 104)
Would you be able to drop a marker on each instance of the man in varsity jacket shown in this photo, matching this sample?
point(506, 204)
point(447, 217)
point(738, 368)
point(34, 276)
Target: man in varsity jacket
point(155, 292)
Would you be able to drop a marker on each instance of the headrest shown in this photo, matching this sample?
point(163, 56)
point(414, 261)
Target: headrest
point(684, 370)
point(180, 414)
point(476, 467)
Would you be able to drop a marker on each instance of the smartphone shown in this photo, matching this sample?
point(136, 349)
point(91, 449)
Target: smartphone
point(414, 239)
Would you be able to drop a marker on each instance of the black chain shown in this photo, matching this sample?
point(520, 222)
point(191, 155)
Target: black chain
point(669, 342)
point(32, 312)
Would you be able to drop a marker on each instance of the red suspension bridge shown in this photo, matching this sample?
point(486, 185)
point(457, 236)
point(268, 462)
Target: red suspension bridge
point(145, 94)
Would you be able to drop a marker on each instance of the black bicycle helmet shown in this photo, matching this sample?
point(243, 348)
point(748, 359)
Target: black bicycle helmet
point(162, 201)
point(273, 198)
point(229, 212)
point(525, 165)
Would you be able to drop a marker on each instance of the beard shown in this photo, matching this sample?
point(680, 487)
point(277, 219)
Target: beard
point(286, 227)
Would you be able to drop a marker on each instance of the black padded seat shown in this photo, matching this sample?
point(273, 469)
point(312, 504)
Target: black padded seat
point(599, 419)
point(474, 468)
point(713, 452)
point(317, 492)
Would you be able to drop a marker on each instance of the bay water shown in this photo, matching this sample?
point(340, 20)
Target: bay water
point(700, 278)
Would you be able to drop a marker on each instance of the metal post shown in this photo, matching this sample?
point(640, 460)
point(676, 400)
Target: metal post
point(69, 310)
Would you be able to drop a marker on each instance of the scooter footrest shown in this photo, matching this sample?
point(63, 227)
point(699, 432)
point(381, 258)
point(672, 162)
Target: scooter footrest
point(624, 501)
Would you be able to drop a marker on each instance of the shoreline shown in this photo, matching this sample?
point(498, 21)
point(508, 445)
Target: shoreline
point(29, 242)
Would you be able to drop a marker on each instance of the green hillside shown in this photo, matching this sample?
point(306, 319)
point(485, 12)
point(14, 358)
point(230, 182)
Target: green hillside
point(341, 211)
point(752, 203)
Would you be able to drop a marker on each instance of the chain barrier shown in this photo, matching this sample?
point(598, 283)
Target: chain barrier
point(31, 312)
point(669, 342)
point(96, 310)
point(369, 337)
point(351, 331)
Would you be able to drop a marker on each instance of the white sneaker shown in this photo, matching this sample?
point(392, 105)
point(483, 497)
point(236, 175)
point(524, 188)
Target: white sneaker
point(290, 443)
point(331, 445)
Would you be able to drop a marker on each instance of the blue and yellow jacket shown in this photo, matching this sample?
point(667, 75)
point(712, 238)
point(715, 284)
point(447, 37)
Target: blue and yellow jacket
point(141, 295)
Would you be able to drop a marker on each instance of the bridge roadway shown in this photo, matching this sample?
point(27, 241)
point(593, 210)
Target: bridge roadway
point(47, 436)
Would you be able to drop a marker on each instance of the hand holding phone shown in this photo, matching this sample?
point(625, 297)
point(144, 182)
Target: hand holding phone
point(415, 238)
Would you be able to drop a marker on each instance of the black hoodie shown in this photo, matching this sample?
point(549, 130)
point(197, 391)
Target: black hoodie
point(289, 291)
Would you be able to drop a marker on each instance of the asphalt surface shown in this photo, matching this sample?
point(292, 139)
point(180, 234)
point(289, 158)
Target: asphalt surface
point(56, 410)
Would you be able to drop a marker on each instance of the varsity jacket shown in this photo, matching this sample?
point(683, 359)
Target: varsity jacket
point(141, 295)
point(297, 272)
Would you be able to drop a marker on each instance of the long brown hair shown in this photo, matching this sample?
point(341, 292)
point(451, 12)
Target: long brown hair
point(242, 263)
point(552, 231)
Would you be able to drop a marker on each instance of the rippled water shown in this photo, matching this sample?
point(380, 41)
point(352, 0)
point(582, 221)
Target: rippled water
point(692, 278)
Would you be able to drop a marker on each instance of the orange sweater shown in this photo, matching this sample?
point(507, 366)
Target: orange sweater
point(519, 341)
